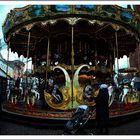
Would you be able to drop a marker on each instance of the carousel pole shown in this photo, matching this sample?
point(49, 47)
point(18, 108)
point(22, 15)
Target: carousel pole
point(28, 49)
point(116, 40)
point(80, 44)
point(114, 52)
point(8, 80)
point(47, 65)
point(110, 63)
point(111, 58)
point(138, 58)
point(34, 60)
point(34, 66)
point(80, 48)
point(128, 64)
point(72, 59)
point(7, 59)
point(95, 55)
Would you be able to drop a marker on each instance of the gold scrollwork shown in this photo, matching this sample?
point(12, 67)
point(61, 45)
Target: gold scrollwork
point(77, 92)
point(66, 90)
point(63, 105)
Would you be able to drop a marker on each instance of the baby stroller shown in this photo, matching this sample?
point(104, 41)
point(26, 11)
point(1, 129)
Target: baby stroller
point(78, 120)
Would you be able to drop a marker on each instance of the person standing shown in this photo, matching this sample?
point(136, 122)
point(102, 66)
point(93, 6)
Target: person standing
point(102, 109)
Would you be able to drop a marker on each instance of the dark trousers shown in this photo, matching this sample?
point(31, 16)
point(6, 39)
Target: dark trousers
point(102, 126)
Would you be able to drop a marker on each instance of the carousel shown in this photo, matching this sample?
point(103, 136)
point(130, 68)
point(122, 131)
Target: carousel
point(73, 49)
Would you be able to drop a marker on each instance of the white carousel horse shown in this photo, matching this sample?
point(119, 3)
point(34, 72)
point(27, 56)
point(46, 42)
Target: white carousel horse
point(37, 94)
point(135, 83)
point(125, 91)
point(31, 89)
point(35, 83)
point(9, 93)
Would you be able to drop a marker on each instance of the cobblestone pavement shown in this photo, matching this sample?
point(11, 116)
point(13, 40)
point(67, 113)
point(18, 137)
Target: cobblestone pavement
point(7, 127)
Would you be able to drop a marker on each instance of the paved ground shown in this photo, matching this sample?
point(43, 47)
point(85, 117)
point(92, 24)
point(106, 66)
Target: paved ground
point(7, 127)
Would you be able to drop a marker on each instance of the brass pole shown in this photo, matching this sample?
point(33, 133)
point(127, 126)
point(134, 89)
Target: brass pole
point(116, 40)
point(114, 57)
point(128, 63)
point(34, 68)
point(111, 58)
point(110, 63)
point(47, 65)
point(28, 49)
point(7, 58)
point(138, 58)
point(80, 44)
point(72, 60)
point(95, 55)
point(7, 82)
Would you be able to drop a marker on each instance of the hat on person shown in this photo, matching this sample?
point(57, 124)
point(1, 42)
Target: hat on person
point(103, 86)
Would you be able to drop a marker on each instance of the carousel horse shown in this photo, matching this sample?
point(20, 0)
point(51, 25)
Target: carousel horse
point(125, 89)
point(87, 93)
point(131, 92)
point(54, 91)
point(57, 94)
point(29, 96)
point(31, 93)
point(15, 92)
point(35, 83)
point(135, 83)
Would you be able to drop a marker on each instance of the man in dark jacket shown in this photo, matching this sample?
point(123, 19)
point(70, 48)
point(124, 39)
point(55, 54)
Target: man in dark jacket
point(102, 109)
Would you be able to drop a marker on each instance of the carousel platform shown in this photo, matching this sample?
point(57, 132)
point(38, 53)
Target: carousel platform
point(32, 116)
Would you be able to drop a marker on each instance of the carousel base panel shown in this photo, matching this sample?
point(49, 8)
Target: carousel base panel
point(43, 118)
point(36, 113)
point(116, 110)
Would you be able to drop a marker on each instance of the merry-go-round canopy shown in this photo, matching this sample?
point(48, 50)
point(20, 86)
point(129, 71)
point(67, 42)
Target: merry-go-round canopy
point(92, 23)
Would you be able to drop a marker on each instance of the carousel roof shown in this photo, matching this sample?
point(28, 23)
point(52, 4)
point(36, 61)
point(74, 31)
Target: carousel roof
point(95, 21)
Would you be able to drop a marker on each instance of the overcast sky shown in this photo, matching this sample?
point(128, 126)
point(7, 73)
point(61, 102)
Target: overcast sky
point(4, 9)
